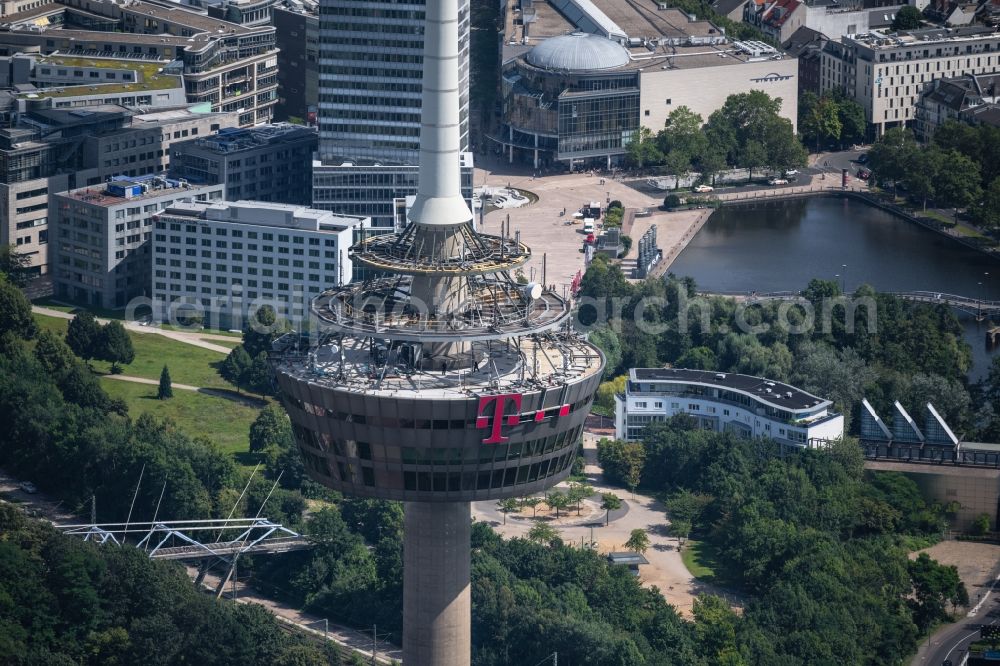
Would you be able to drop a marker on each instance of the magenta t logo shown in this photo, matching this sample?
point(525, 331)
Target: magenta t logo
point(496, 422)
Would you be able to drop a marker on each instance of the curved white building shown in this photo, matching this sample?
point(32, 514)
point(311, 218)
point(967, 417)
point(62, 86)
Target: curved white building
point(725, 402)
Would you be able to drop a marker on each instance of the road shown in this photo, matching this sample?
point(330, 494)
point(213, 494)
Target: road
point(316, 625)
point(952, 642)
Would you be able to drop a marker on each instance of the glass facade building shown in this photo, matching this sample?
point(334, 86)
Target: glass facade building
point(573, 98)
point(370, 73)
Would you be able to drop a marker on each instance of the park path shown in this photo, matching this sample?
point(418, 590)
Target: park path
point(196, 339)
point(345, 636)
point(665, 570)
point(217, 392)
point(152, 382)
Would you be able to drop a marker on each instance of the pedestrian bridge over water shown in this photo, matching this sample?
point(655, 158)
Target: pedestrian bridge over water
point(979, 308)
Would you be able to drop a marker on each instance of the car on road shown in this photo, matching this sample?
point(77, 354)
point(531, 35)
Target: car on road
point(863, 158)
point(704, 188)
point(778, 181)
point(28, 487)
point(864, 174)
point(792, 172)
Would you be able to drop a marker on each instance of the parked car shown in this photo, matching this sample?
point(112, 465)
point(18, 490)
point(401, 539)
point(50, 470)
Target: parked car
point(864, 174)
point(778, 181)
point(863, 158)
point(792, 172)
point(704, 188)
point(29, 487)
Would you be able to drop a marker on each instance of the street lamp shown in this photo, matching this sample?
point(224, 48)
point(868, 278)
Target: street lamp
point(843, 286)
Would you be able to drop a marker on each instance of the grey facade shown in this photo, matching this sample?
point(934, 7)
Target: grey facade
point(230, 66)
point(371, 55)
point(54, 150)
point(102, 237)
point(265, 163)
point(373, 190)
point(297, 32)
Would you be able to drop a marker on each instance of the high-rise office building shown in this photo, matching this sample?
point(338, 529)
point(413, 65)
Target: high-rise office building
point(370, 60)
point(370, 83)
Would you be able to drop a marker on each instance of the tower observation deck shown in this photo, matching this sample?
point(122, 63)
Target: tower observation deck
point(444, 380)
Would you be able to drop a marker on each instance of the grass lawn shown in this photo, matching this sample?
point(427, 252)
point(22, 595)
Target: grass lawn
point(188, 364)
point(700, 559)
point(223, 421)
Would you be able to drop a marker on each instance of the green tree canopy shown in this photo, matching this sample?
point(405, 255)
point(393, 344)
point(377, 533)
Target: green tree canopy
point(908, 17)
point(165, 389)
point(15, 311)
point(115, 345)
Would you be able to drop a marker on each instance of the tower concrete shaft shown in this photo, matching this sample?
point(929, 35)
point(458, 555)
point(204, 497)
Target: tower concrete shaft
point(437, 603)
point(439, 199)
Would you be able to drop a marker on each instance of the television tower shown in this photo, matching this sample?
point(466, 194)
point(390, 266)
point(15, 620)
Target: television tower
point(443, 381)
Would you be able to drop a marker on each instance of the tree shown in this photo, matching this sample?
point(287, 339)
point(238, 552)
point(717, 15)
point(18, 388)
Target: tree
point(531, 502)
point(922, 173)
point(819, 118)
point(680, 529)
point(891, 156)
point(257, 377)
point(642, 151)
point(262, 329)
point(671, 201)
point(508, 505)
point(697, 358)
point(270, 429)
point(165, 390)
point(934, 586)
point(958, 179)
point(987, 214)
point(235, 366)
point(54, 355)
point(607, 390)
point(981, 525)
point(908, 17)
point(682, 133)
point(638, 541)
point(852, 119)
point(15, 312)
point(83, 336)
point(609, 502)
point(558, 500)
point(15, 266)
point(608, 342)
point(542, 533)
point(635, 458)
point(579, 492)
point(116, 345)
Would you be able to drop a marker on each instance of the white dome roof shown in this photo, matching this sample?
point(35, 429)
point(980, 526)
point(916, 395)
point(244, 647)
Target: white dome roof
point(578, 51)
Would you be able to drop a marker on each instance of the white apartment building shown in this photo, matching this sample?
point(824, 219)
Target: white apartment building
point(102, 236)
point(725, 402)
point(224, 260)
point(886, 73)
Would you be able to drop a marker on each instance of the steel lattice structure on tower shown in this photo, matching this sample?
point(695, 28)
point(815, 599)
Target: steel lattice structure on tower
point(442, 383)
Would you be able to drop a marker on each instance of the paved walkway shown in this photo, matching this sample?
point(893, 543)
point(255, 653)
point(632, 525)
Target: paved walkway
point(217, 392)
point(665, 570)
point(190, 338)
